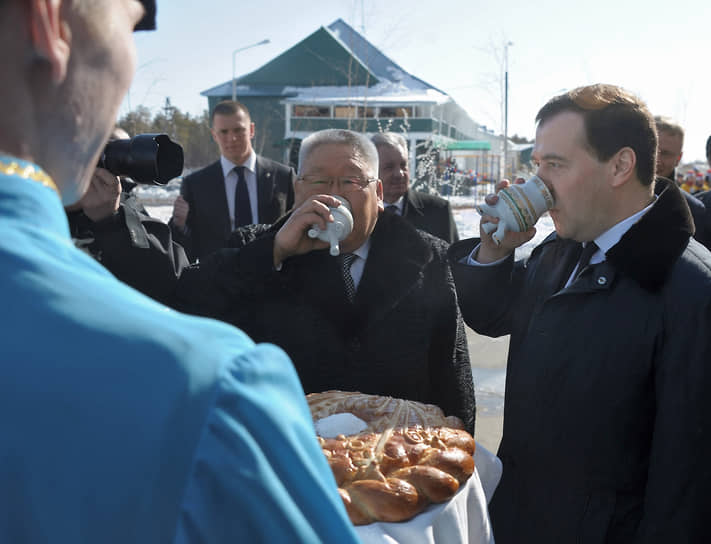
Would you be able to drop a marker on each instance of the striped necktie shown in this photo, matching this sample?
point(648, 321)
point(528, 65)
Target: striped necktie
point(346, 262)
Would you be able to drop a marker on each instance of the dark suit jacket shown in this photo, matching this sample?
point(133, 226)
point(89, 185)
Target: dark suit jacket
point(403, 335)
point(430, 213)
point(606, 383)
point(136, 248)
point(705, 198)
point(700, 211)
point(208, 225)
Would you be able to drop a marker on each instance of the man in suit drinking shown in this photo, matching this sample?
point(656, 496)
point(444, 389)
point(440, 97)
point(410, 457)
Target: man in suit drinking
point(427, 212)
point(241, 188)
point(380, 318)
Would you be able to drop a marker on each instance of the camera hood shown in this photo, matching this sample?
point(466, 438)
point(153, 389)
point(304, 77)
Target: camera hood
point(145, 158)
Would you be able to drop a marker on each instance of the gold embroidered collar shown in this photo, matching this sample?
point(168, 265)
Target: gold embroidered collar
point(28, 172)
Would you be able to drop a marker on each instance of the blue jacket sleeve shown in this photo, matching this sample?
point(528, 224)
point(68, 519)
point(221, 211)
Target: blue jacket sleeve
point(259, 474)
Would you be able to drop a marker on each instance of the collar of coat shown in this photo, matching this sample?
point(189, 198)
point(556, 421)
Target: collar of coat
point(649, 249)
point(398, 257)
point(413, 203)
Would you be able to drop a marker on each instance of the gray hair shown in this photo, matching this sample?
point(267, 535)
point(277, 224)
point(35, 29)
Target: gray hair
point(392, 139)
point(361, 145)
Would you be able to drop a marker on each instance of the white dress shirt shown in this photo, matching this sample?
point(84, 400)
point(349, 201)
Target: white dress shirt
point(250, 176)
point(610, 237)
point(358, 264)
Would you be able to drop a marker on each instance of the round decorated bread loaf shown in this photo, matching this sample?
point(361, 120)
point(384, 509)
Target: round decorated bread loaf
point(410, 455)
point(379, 412)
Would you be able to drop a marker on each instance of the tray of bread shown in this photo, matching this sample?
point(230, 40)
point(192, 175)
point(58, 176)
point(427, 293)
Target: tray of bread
point(391, 458)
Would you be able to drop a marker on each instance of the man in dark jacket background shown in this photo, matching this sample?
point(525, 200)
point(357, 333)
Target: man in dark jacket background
point(110, 224)
point(241, 188)
point(669, 150)
point(607, 424)
point(400, 335)
point(430, 213)
point(705, 197)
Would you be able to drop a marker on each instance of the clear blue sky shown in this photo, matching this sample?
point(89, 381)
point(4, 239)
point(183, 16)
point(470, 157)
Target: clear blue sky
point(659, 49)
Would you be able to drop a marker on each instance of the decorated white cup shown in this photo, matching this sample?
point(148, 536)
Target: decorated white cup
point(518, 208)
point(338, 230)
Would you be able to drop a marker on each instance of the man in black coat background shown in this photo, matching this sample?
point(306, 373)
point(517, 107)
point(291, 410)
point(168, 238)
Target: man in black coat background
point(607, 424)
point(241, 188)
point(705, 197)
point(430, 213)
point(110, 224)
point(669, 151)
point(401, 333)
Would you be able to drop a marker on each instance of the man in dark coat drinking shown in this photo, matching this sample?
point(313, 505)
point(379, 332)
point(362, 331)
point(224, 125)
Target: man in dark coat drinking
point(389, 324)
point(607, 424)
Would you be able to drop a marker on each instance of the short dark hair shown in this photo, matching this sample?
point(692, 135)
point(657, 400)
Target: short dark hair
point(613, 118)
point(229, 107)
point(668, 125)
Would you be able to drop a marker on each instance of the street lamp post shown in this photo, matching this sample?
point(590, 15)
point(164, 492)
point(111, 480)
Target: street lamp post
point(234, 54)
point(506, 105)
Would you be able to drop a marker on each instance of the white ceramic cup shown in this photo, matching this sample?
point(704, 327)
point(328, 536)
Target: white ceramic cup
point(518, 208)
point(338, 230)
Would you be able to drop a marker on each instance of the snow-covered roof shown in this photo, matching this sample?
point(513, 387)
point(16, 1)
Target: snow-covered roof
point(378, 95)
point(377, 79)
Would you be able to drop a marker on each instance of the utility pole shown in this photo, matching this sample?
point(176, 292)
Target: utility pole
point(234, 53)
point(506, 105)
point(362, 18)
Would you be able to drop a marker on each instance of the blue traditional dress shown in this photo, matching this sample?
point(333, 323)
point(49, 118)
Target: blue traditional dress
point(122, 421)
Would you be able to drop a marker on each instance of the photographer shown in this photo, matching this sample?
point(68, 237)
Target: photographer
point(111, 225)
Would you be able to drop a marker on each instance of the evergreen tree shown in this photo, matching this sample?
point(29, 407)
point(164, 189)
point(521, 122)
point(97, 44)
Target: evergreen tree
point(191, 132)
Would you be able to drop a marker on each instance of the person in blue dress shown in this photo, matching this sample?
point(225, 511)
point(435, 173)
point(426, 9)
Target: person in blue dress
point(122, 420)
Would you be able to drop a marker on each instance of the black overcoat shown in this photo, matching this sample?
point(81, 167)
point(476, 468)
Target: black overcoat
point(403, 336)
point(607, 419)
point(430, 213)
point(136, 248)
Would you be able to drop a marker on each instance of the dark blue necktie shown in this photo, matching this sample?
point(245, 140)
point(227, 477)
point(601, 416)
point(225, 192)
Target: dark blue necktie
point(243, 211)
point(588, 251)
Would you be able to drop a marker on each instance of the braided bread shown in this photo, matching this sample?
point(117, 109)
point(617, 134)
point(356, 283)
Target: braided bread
point(393, 473)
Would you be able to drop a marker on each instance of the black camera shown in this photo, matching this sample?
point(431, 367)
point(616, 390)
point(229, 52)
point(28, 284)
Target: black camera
point(145, 158)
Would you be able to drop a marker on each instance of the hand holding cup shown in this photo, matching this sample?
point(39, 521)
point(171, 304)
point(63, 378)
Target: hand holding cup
point(509, 216)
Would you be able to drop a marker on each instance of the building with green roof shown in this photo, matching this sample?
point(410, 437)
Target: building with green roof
point(335, 78)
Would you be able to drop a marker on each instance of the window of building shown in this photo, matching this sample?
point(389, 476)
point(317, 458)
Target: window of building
point(397, 111)
point(345, 112)
point(310, 111)
point(423, 111)
point(366, 111)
